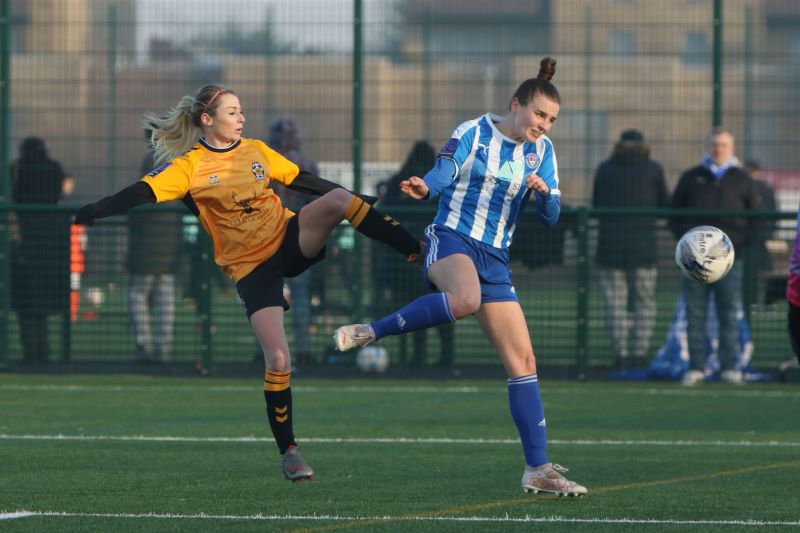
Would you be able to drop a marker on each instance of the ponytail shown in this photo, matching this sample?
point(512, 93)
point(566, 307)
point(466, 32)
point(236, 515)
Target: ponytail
point(174, 134)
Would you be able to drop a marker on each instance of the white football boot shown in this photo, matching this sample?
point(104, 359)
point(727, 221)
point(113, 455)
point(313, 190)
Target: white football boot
point(548, 478)
point(353, 336)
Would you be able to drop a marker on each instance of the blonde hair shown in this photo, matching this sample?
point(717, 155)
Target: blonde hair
point(173, 134)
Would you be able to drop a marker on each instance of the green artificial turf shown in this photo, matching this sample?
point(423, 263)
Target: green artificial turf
point(130, 453)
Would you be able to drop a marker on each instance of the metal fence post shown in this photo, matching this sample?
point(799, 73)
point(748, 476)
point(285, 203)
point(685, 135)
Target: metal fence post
point(587, 140)
point(716, 87)
point(5, 179)
point(748, 82)
point(111, 124)
point(582, 294)
point(358, 58)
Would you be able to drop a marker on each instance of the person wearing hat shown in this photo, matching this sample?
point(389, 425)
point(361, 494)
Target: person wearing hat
point(627, 245)
point(40, 248)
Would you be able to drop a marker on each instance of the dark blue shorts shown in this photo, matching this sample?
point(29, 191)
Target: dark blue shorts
point(490, 262)
point(263, 287)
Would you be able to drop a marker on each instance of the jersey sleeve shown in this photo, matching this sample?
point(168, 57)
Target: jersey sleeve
point(280, 169)
point(548, 170)
point(170, 181)
point(549, 207)
point(450, 158)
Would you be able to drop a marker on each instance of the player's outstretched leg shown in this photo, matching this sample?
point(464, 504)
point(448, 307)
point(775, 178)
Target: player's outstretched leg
point(380, 227)
point(424, 312)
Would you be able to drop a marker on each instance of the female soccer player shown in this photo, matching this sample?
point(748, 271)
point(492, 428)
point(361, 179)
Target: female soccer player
point(223, 178)
point(484, 176)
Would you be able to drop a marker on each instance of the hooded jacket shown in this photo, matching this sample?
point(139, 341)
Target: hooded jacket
point(628, 179)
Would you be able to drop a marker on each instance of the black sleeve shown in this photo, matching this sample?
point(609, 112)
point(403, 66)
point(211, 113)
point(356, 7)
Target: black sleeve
point(308, 183)
point(137, 194)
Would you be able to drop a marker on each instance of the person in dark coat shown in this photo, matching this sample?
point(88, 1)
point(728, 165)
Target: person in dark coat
point(40, 265)
point(718, 183)
point(404, 283)
point(627, 246)
point(154, 250)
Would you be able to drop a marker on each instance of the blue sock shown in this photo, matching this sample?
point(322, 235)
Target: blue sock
point(528, 414)
point(424, 312)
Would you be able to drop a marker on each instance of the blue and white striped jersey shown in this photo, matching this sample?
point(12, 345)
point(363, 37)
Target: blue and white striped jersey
point(480, 178)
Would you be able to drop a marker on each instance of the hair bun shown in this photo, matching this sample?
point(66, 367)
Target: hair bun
point(547, 69)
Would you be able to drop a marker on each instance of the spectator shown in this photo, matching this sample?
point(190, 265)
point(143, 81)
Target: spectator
point(718, 182)
point(154, 249)
point(627, 246)
point(760, 257)
point(285, 139)
point(41, 249)
point(404, 284)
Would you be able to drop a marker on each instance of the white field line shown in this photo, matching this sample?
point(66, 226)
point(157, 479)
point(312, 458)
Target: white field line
point(710, 391)
point(387, 518)
point(398, 440)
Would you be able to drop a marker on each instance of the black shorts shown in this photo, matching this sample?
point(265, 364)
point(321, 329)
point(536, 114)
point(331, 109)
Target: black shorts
point(263, 287)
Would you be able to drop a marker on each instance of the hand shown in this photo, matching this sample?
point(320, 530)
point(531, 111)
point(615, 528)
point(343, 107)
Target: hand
point(415, 187)
point(537, 184)
point(85, 215)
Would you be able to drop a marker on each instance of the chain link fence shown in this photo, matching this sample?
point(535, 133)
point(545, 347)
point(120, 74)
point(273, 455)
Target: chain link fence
point(364, 81)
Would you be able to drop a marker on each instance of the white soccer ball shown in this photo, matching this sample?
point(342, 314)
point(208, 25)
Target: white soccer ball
point(372, 359)
point(704, 254)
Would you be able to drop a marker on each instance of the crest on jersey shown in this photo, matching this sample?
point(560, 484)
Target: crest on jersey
point(159, 170)
point(532, 160)
point(246, 204)
point(214, 180)
point(258, 171)
point(449, 149)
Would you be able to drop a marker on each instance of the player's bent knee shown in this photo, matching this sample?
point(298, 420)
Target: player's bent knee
point(338, 199)
point(464, 306)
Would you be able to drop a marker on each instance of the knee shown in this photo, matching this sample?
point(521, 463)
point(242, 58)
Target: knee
point(338, 200)
point(520, 364)
point(277, 360)
point(464, 305)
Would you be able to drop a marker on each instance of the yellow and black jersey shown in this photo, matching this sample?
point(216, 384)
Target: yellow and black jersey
point(228, 188)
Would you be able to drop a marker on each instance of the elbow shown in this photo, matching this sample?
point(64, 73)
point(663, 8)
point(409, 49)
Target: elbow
point(550, 221)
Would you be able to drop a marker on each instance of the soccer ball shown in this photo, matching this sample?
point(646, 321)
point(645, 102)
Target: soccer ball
point(372, 359)
point(704, 254)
